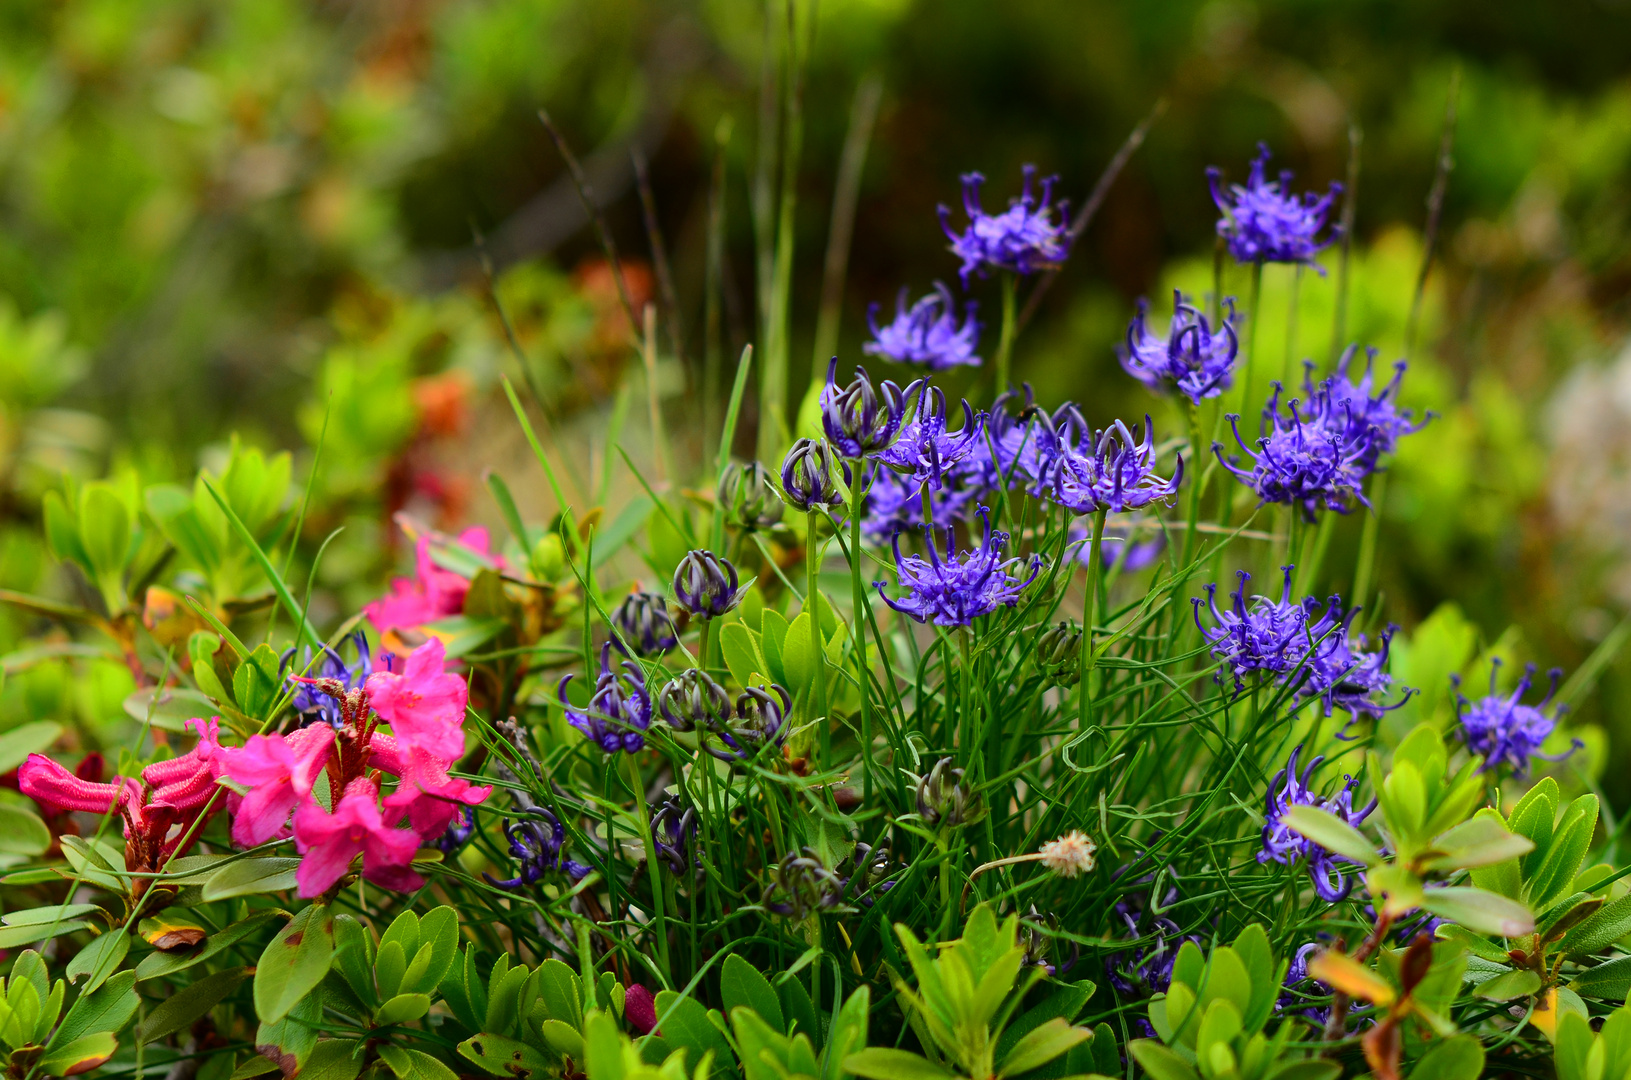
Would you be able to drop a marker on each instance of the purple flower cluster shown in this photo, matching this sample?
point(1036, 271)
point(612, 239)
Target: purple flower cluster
point(1296, 1001)
point(927, 333)
point(1282, 845)
point(618, 714)
point(1196, 359)
point(924, 448)
point(1503, 730)
point(1263, 635)
point(1142, 971)
point(958, 589)
point(860, 419)
point(1025, 238)
point(535, 845)
point(316, 706)
point(1109, 470)
point(1313, 458)
point(643, 622)
point(1264, 222)
point(894, 503)
point(1376, 420)
point(1340, 673)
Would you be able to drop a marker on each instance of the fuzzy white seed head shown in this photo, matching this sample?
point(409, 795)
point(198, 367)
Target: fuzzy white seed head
point(1069, 855)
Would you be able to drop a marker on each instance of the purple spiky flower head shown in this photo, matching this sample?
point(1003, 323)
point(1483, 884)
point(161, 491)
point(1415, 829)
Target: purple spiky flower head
point(1030, 235)
point(1109, 471)
point(925, 449)
point(694, 701)
point(1259, 635)
point(1264, 222)
point(1310, 458)
point(536, 840)
point(808, 475)
point(1196, 358)
point(706, 585)
point(642, 620)
point(314, 705)
point(1284, 846)
point(1338, 670)
point(1351, 402)
point(761, 720)
point(927, 333)
point(956, 590)
point(1503, 730)
point(619, 711)
point(861, 419)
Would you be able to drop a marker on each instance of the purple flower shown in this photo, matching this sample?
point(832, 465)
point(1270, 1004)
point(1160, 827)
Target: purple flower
point(1284, 846)
point(458, 832)
point(1379, 418)
point(537, 852)
point(1195, 359)
point(1263, 222)
point(860, 419)
point(1023, 444)
point(895, 503)
point(642, 621)
point(1025, 238)
point(1109, 471)
point(315, 705)
point(761, 720)
point(693, 700)
point(706, 585)
point(618, 713)
point(673, 826)
point(1146, 970)
point(1339, 670)
point(1295, 1001)
point(959, 589)
point(925, 449)
point(1506, 731)
point(807, 475)
point(926, 334)
point(1261, 636)
point(1310, 459)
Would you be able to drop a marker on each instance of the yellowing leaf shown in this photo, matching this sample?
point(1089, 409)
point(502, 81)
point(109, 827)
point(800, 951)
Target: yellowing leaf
point(1352, 978)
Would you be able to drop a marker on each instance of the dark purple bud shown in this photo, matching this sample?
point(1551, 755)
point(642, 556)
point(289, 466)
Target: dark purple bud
point(807, 475)
point(760, 720)
point(748, 499)
point(458, 832)
point(801, 884)
point(860, 419)
point(706, 585)
point(694, 701)
point(642, 620)
point(672, 828)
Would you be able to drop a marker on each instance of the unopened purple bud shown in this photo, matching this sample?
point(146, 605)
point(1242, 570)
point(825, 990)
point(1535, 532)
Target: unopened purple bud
point(860, 419)
point(748, 499)
point(694, 700)
point(807, 476)
point(761, 720)
point(642, 620)
point(706, 585)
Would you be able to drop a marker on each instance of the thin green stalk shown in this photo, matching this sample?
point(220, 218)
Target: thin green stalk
point(861, 610)
point(1005, 344)
point(1313, 555)
point(1197, 479)
point(1248, 393)
point(812, 604)
point(1090, 614)
point(702, 646)
point(653, 866)
point(1369, 539)
point(1350, 203)
point(1290, 378)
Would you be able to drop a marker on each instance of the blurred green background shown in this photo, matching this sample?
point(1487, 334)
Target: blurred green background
point(261, 216)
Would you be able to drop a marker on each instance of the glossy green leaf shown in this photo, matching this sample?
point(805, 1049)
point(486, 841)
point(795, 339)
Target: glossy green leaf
point(402, 1008)
point(1480, 841)
point(291, 1040)
point(23, 740)
point(409, 1064)
point(882, 1063)
point(250, 877)
point(80, 1055)
point(1607, 925)
point(104, 528)
point(108, 1008)
point(503, 1056)
point(22, 832)
point(157, 964)
point(1507, 987)
point(334, 1059)
point(1609, 982)
point(1042, 1046)
point(294, 962)
point(742, 985)
point(741, 652)
point(1331, 833)
point(1478, 910)
point(1160, 1062)
point(101, 958)
point(685, 1024)
point(186, 1005)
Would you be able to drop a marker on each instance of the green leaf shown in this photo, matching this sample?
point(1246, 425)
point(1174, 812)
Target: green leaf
point(401, 1009)
point(741, 984)
point(1572, 1045)
point(1160, 1062)
point(23, 740)
point(800, 660)
point(1567, 852)
point(1042, 1046)
point(1306, 1069)
point(13, 936)
point(504, 1057)
point(104, 528)
point(1513, 984)
point(414, 1064)
point(256, 685)
point(1610, 923)
point(79, 1056)
point(741, 653)
point(294, 962)
point(1609, 981)
point(44, 916)
point(157, 964)
point(334, 1059)
point(558, 986)
point(291, 1040)
point(881, 1063)
point(62, 533)
point(107, 1008)
point(101, 958)
point(1481, 841)
point(799, 1009)
point(254, 1065)
point(562, 1039)
point(1331, 832)
point(1478, 910)
point(685, 1024)
point(186, 1005)
point(22, 832)
point(250, 877)
point(603, 1047)
point(1064, 1003)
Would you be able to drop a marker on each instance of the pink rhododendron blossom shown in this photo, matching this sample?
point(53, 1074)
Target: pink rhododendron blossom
point(432, 593)
point(188, 781)
point(57, 790)
point(279, 771)
point(424, 705)
point(330, 841)
point(428, 795)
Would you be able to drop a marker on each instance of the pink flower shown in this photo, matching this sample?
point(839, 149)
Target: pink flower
point(279, 772)
point(432, 593)
point(187, 782)
point(424, 705)
point(330, 841)
point(640, 1009)
point(57, 790)
point(428, 795)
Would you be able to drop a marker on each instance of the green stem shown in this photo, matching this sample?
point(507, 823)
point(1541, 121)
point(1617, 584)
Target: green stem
point(1248, 396)
point(653, 866)
point(1197, 476)
point(702, 646)
point(1369, 538)
point(812, 604)
point(1005, 343)
point(1090, 614)
point(1291, 327)
point(861, 604)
